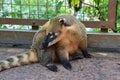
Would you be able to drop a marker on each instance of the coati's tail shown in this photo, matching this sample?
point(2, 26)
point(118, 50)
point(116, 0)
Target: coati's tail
point(18, 60)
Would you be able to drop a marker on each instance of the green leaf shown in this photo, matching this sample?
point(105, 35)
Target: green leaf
point(58, 6)
point(73, 2)
point(118, 3)
point(97, 2)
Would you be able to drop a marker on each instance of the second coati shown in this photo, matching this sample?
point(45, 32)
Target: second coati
point(60, 38)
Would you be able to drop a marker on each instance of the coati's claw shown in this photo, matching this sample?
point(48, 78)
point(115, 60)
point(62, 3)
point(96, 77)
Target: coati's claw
point(52, 68)
point(66, 64)
point(49, 38)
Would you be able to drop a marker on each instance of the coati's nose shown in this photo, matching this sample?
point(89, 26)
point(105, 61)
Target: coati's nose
point(48, 39)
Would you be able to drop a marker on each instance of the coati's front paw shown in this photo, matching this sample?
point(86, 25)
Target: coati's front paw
point(49, 38)
point(66, 64)
point(52, 68)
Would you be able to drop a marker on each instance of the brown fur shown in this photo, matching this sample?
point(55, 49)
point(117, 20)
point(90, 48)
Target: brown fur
point(70, 39)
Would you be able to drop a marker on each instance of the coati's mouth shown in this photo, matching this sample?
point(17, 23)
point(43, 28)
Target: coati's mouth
point(49, 40)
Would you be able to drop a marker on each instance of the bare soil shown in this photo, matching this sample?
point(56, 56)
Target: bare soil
point(104, 66)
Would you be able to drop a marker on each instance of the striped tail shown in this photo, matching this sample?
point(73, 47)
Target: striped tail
point(18, 60)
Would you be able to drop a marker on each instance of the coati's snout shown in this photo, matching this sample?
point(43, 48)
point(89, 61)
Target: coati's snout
point(48, 41)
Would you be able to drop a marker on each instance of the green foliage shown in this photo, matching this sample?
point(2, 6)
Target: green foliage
point(33, 9)
point(97, 2)
point(74, 2)
point(58, 6)
point(98, 11)
point(94, 10)
point(118, 17)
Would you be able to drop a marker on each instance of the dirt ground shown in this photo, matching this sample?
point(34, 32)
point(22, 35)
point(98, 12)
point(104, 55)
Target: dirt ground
point(104, 66)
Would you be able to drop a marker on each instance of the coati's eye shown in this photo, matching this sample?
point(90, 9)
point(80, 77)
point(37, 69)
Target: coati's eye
point(63, 21)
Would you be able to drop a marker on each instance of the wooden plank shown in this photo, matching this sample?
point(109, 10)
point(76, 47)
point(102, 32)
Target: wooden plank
point(97, 24)
point(112, 13)
point(91, 24)
point(112, 9)
point(104, 40)
point(95, 40)
point(16, 21)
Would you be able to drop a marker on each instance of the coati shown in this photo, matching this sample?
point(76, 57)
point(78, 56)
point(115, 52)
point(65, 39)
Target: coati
point(59, 38)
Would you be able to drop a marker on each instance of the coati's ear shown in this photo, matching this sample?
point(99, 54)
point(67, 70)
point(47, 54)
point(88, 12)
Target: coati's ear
point(63, 21)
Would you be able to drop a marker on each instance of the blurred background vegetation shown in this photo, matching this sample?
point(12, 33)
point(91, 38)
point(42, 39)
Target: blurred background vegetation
point(86, 10)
